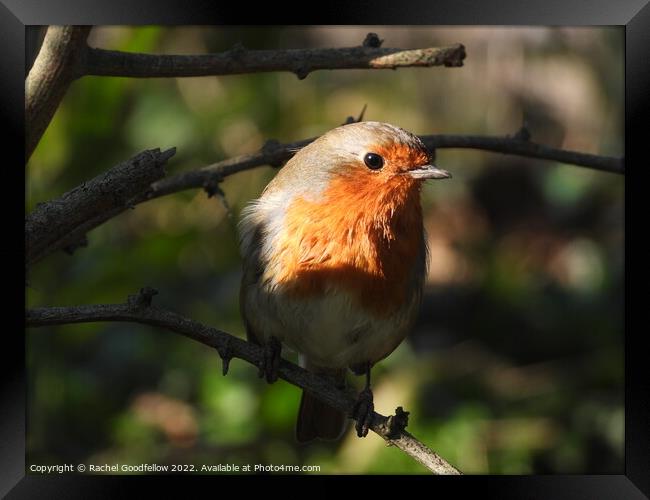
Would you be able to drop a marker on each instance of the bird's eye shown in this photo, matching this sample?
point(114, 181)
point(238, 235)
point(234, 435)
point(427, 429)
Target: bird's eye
point(373, 161)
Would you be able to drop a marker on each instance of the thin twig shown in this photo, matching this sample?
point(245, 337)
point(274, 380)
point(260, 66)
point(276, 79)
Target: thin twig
point(138, 309)
point(58, 63)
point(240, 60)
point(63, 223)
point(520, 145)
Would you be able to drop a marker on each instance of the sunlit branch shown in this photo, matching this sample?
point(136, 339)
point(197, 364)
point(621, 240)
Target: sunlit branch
point(240, 60)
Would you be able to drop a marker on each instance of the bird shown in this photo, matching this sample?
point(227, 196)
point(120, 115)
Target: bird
point(334, 261)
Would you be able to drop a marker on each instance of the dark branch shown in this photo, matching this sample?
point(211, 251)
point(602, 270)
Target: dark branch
point(63, 223)
point(275, 154)
point(138, 309)
point(521, 146)
point(240, 60)
point(56, 66)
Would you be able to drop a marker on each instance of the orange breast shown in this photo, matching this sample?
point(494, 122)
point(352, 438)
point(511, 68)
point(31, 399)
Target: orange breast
point(363, 236)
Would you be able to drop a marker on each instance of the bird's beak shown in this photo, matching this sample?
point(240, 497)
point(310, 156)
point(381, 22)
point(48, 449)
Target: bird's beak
point(428, 172)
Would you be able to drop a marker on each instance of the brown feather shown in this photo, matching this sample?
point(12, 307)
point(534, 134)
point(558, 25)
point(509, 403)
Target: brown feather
point(316, 419)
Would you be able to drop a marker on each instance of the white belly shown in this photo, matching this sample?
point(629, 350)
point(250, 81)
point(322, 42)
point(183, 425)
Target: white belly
point(330, 331)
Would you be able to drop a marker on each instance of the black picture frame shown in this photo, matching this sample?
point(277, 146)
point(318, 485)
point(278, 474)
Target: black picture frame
point(634, 15)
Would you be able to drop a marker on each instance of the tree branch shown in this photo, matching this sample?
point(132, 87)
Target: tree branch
point(520, 145)
point(275, 154)
point(138, 309)
point(56, 66)
point(63, 223)
point(65, 56)
point(239, 60)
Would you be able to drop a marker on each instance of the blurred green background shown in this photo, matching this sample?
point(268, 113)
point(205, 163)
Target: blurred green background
point(516, 363)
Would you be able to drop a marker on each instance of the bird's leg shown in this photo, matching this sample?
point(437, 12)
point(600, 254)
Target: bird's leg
point(364, 407)
point(270, 364)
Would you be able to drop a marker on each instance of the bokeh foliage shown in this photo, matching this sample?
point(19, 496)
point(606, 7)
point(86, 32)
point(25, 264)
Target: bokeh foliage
point(516, 363)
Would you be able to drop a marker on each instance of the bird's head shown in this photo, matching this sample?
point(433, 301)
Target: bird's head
point(372, 156)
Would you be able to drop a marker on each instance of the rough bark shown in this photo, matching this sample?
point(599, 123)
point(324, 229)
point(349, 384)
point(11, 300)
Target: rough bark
point(62, 223)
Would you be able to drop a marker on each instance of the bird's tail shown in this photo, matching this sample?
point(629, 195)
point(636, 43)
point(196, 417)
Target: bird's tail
point(317, 419)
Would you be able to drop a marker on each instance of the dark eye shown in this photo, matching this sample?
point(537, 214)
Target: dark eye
point(373, 161)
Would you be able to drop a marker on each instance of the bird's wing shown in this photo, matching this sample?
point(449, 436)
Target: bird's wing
point(252, 273)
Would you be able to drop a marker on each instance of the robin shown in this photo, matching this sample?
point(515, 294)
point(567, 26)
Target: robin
point(334, 260)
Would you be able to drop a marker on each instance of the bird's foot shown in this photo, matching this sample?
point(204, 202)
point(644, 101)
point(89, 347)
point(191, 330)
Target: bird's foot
point(363, 412)
point(270, 364)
